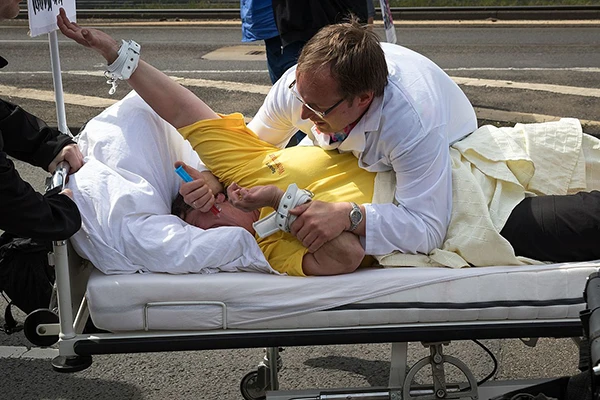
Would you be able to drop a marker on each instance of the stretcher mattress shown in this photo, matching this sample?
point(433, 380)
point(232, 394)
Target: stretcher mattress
point(369, 297)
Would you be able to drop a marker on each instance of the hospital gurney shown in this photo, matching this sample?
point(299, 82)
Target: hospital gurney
point(147, 312)
point(161, 312)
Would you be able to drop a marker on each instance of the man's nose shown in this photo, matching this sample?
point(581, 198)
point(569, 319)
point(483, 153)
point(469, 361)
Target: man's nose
point(306, 113)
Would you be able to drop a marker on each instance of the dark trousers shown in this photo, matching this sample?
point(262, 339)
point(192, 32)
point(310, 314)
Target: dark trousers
point(279, 58)
point(556, 228)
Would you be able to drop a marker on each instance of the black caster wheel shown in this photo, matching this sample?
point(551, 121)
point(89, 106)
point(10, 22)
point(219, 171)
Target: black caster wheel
point(71, 364)
point(35, 318)
point(250, 387)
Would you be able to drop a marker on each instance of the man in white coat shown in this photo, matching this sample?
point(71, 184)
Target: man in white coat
point(394, 109)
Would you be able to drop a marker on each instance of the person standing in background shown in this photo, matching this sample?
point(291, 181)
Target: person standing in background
point(285, 26)
point(258, 23)
point(370, 13)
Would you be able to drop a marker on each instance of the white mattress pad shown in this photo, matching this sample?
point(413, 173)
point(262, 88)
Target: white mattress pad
point(368, 297)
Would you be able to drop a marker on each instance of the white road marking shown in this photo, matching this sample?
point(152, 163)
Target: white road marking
point(48, 95)
point(542, 87)
point(224, 85)
point(22, 352)
point(567, 69)
point(91, 101)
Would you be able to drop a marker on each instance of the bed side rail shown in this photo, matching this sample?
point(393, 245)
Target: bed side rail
point(590, 318)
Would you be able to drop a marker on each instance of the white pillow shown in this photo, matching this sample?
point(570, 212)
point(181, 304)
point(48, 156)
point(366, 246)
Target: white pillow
point(124, 192)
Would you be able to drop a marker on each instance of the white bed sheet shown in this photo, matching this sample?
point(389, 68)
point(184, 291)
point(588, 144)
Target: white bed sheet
point(366, 297)
point(124, 192)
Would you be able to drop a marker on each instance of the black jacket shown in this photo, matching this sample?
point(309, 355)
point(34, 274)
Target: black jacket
point(299, 20)
point(23, 211)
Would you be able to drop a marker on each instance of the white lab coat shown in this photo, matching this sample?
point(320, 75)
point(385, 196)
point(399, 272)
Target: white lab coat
point(407, 130)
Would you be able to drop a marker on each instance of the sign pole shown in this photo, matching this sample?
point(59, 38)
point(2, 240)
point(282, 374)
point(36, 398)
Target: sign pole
point(58, 86)
point(42, 19)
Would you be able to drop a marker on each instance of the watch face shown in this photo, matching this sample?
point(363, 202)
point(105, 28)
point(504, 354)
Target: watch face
point(355, 216)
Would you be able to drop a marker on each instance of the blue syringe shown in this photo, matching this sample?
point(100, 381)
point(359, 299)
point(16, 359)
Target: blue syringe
point(187, 178)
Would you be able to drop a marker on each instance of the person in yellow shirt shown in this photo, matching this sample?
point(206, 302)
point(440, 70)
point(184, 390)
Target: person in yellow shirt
point(547, 228)
point(217, 139)
point(241, 160)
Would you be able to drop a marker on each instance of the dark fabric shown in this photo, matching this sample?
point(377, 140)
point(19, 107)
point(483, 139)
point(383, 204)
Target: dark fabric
point(279, 58)
point(25, 275)
point(556, 228)
point(299, 20)
point(580, 387)
point(23, 211)
point(28, 138)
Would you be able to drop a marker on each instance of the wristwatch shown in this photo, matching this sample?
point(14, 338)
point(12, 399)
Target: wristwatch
point(356, 216)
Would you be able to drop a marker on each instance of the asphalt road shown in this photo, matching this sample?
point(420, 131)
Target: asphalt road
point(511, 72)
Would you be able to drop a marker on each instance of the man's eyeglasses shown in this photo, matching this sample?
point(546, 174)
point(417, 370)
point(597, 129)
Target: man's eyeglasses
point(321, 114)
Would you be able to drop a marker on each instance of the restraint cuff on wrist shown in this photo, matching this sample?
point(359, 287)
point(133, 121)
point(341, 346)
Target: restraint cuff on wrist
point(126, 62)
point(281, 219)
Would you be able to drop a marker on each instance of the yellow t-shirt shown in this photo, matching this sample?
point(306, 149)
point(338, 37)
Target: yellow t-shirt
point(235, 154)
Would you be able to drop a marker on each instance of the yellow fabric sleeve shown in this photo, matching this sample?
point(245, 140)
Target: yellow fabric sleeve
point(235, 154)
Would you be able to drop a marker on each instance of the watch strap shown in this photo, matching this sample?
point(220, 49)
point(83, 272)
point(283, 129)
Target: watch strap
point(355, 210)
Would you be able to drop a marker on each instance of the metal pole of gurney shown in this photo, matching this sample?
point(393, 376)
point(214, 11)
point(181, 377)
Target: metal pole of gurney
point(42, 19)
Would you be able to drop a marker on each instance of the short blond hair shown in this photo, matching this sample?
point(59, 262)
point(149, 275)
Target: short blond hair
point(352, 53)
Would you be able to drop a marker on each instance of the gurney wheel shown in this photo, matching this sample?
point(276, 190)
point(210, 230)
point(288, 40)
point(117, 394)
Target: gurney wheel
point(250, 387)
point(71, 364)
point(30, 327)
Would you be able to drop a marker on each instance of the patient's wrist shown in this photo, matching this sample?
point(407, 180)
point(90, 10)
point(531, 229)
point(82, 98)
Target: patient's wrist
point(276, 197)
point(111, 54)
point(124, 65)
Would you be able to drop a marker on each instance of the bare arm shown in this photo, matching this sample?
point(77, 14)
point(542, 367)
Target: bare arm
point(341, 255)
point(174, 103)
point(250, 199)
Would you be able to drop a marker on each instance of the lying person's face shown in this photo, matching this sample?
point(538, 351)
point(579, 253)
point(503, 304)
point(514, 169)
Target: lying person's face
point(229, 216)
point(9, 9)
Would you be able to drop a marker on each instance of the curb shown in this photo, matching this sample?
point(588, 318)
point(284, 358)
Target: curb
point(506, 13)
point(526, 118)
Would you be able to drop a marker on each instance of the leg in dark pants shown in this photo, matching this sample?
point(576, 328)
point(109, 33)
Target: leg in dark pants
point(556, 228)
point(279, 58)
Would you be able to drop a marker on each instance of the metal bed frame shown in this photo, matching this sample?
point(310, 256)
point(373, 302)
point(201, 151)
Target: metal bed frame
point(64, 322)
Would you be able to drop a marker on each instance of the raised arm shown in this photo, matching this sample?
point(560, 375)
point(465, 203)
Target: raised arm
point(174, 103)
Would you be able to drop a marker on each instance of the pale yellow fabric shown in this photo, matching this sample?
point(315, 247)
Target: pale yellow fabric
point(493, 169)
point(235, 154)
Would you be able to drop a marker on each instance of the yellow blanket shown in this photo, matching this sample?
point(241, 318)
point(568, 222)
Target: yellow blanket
point(493, 169)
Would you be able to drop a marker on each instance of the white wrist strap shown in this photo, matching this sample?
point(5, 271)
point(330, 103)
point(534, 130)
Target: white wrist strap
point(282, 219)
point(124, 65)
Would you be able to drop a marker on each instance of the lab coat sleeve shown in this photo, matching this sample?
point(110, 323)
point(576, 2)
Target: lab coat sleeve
point(277, 119)
point(418, 223)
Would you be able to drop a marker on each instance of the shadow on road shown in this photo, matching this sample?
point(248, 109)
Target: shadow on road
point(29, 379)
point(375, 372)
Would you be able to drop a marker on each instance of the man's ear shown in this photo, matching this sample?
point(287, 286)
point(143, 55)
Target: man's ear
point(365, 99)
